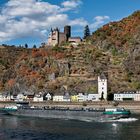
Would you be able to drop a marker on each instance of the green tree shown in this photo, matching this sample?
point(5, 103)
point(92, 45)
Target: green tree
point(86, 32)
point(34, 46)
point(26, 45)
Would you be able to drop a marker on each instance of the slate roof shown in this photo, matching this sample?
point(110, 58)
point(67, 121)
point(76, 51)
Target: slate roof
point(102, 76)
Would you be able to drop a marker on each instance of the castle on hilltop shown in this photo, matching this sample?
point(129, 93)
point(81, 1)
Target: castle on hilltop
point(56, 37)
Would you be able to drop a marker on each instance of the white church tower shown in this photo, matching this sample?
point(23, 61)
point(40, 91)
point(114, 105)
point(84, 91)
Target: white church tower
point(102, 87)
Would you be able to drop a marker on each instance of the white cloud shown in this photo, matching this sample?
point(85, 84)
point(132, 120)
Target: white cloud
point(29, 18)
point(79, 22)
point(28, 8)
point(98, 21)
point(70, 4)
point(33, 18)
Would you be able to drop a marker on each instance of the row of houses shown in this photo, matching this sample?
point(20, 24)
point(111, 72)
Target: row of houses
point(16, 97)
point(80, 97)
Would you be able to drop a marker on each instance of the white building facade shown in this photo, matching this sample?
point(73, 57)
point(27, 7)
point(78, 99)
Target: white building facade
point(102, 87)
point(20, 97)
point(137, 96)
point(58, 98)
point(3, 97)
point(93, 97)
point(38, 99)
point(127, 96)
point(48, 97)
point(87, 97)
point(81, 97)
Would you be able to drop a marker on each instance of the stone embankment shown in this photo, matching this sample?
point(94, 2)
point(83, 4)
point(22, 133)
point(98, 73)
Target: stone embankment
point(134, 107)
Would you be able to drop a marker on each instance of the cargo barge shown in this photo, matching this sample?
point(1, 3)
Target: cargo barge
point(83, 113)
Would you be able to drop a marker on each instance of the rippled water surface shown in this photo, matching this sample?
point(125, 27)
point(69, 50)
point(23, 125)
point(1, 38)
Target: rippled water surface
point(24, 128)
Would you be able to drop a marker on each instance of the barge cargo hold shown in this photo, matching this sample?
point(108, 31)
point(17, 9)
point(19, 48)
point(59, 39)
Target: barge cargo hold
point(67, 113)
point(59, 113)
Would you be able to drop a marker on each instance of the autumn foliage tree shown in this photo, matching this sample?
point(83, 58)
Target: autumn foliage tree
point(11, 83)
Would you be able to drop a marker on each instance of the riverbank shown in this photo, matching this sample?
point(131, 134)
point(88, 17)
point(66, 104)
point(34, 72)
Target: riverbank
point(134, 107)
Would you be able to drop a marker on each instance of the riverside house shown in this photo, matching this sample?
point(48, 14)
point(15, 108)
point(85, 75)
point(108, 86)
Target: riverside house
point(20, 97)
point(4, 97)
point(127, 96)
point(58, 98)
point(66, 97)
point(30, 95)
point(48, 96)
point(93, 97)
point(81, 97)
point(74, 98)
point(38, 97)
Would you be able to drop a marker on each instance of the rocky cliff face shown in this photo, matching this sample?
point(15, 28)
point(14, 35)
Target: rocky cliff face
point(114, 50)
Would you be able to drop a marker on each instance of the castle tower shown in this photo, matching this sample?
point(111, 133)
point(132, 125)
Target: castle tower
point(102, 87)
point(57, 36)
point(67, 32)
point(54, 37)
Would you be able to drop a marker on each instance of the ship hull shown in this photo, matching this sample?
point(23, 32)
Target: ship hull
point(66, 113)
point(58, 114)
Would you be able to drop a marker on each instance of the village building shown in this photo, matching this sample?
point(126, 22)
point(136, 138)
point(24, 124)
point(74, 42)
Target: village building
point(102, 87)
point(66, 97)
point(38, 97)
point(29, 95)
point(87, 97)
point(74, 98)
point(58, 98)
point(127, 96)
point(56, 37)
point(93, 97)
point(137, 96)
point(47, 96)
point(8, 97)
point(20, 97)
point(3, 97)
point(74, 40)
point(81, 97)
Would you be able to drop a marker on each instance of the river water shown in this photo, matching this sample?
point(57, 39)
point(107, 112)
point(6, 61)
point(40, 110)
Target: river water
point(26, 128)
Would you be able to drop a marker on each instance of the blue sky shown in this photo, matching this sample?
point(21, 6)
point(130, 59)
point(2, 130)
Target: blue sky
point(29, 21)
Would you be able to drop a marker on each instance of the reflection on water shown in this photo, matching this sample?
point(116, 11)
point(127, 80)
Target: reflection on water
point(115, 127)
point(21, 128)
